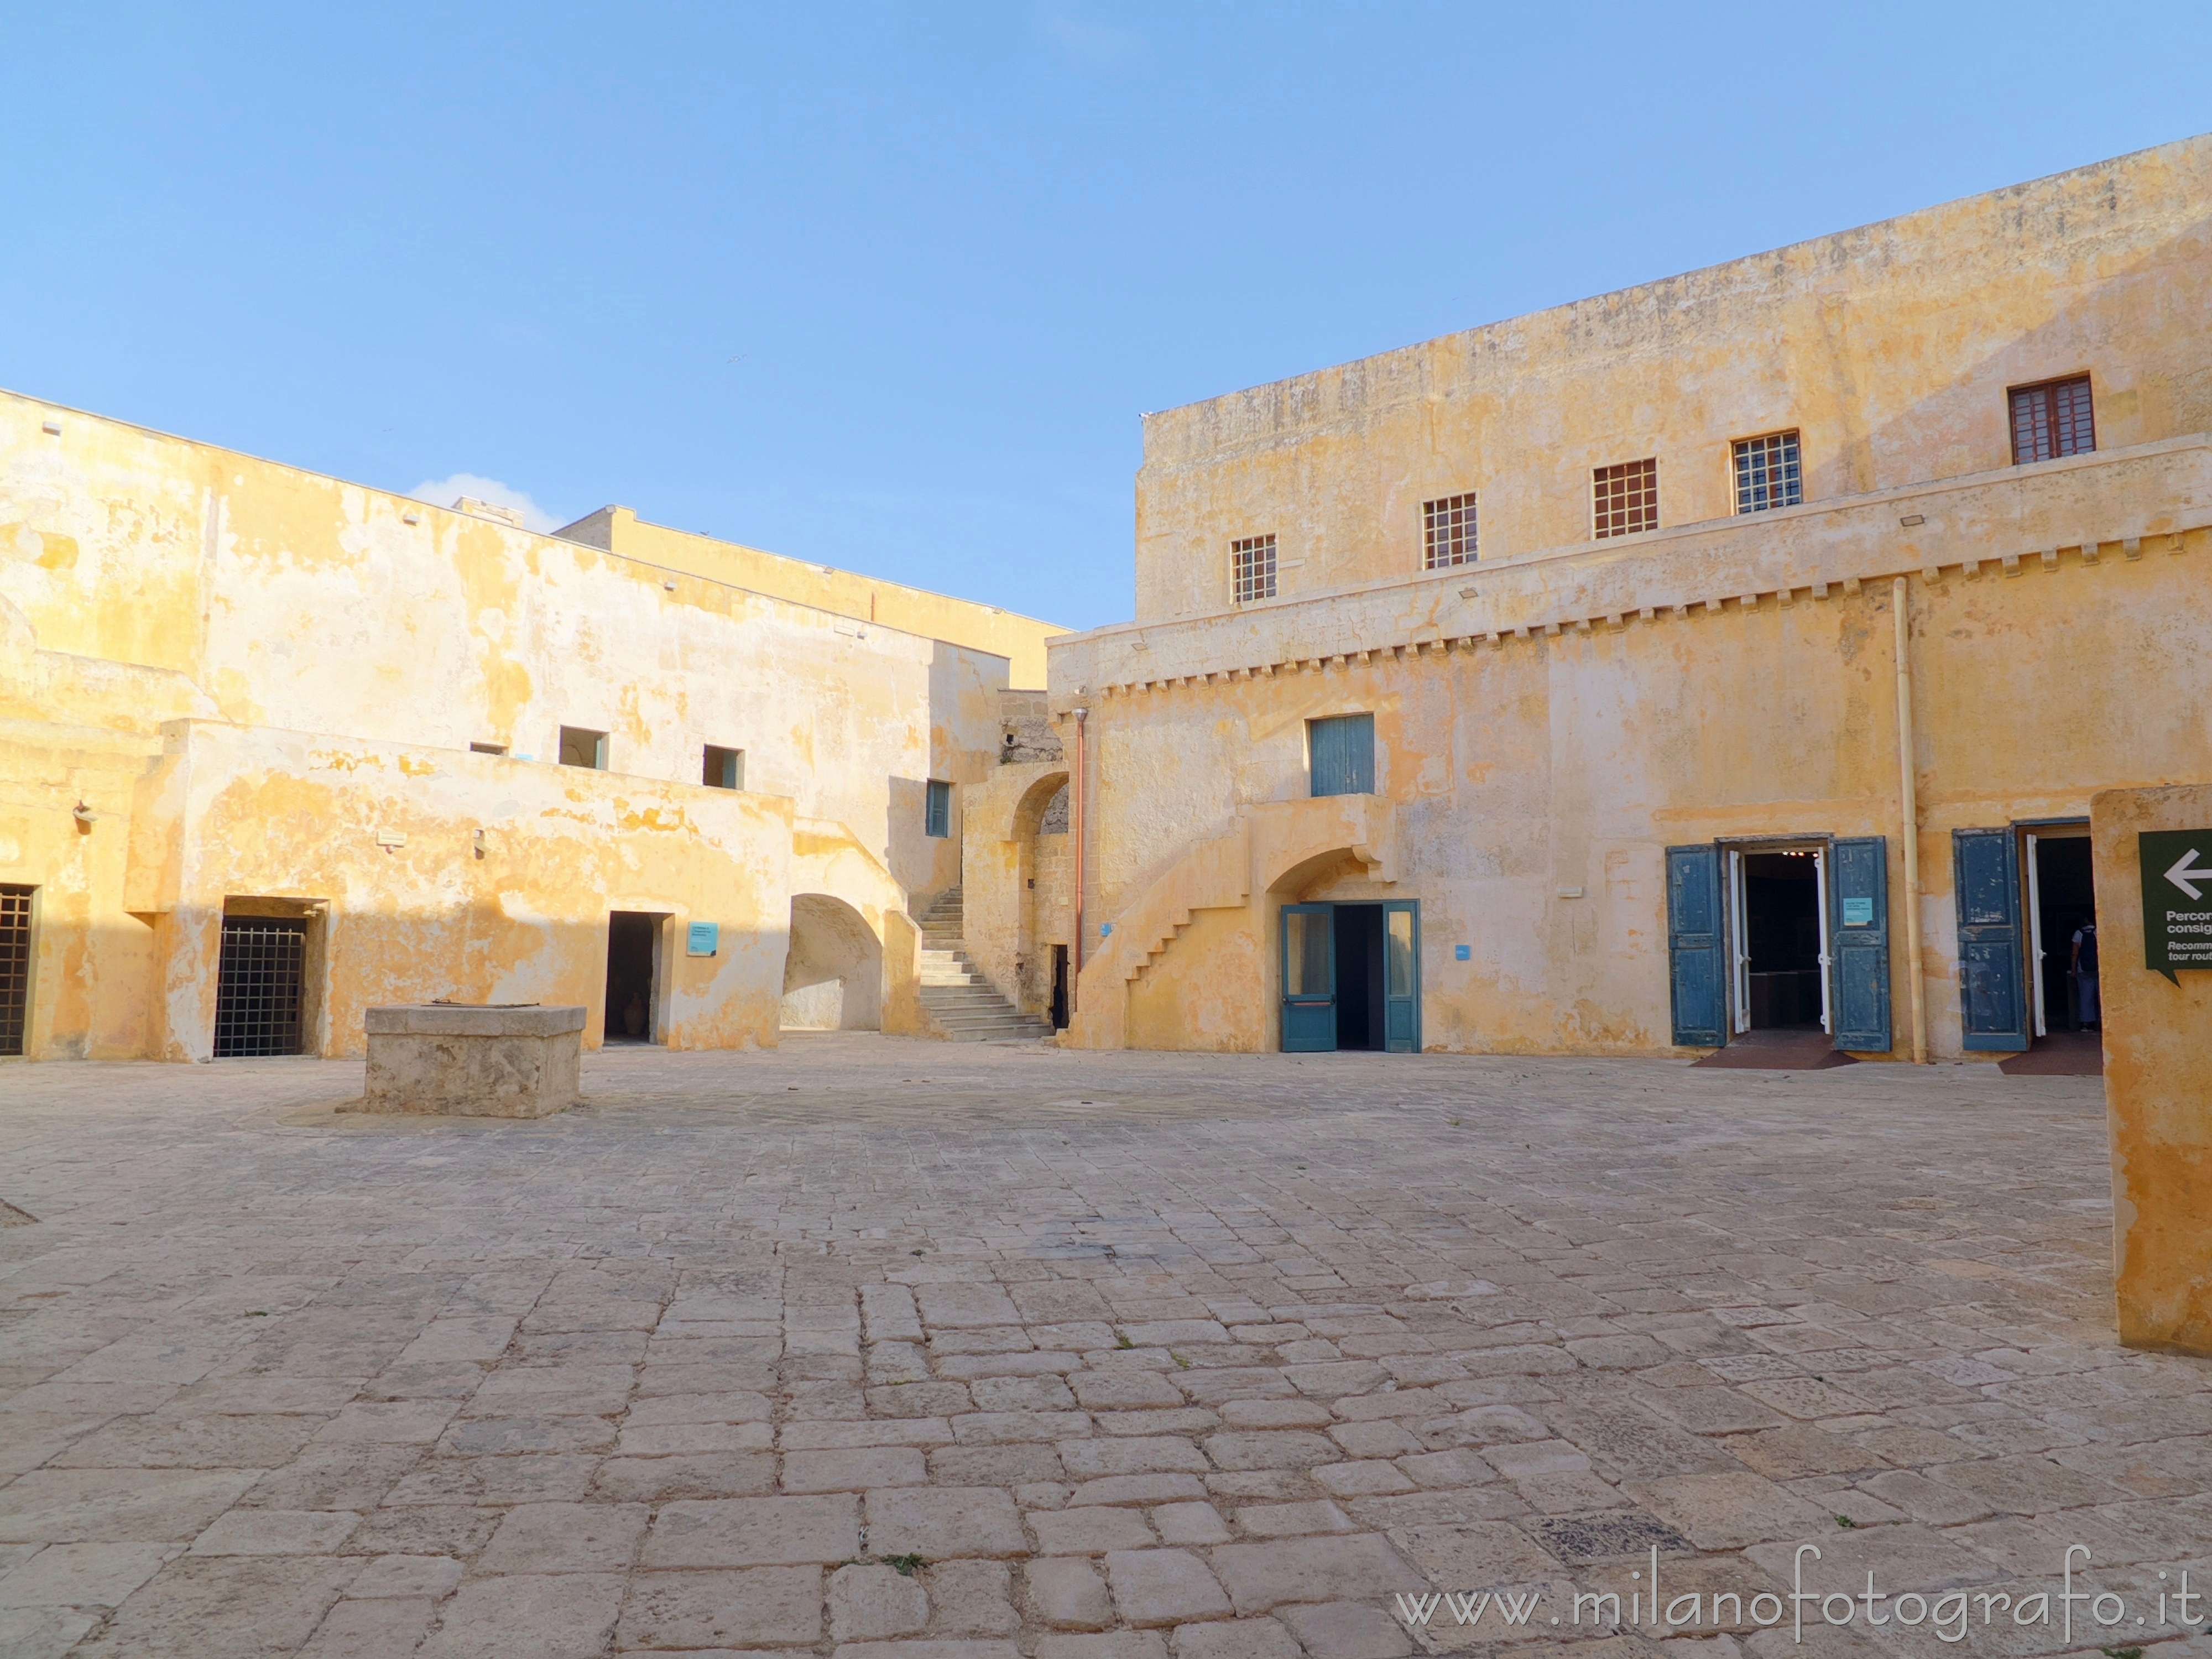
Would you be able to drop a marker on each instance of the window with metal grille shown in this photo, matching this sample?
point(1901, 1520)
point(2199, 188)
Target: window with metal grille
point(1625, 499)
point(257, 985)
point(15, 966)
point(723, 769)
point(937, 810)
point(1252, 567)
point(1767, 473)
point(2051, 420)
point(1342, 752)
point(1448, 531)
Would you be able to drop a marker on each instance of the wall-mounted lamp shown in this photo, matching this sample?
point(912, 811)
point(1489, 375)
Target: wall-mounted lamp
point(85, 818)
point(480, 847)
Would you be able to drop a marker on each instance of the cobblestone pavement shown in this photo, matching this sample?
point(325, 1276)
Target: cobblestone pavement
point(883, 1349)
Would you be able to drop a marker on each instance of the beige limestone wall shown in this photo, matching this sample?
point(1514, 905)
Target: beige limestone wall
point(964, 623)
point(145, 579)
point(1889, 349)
point(1578, 714)
point(380, 845)
point(1015, 900)
point(2157, 1087)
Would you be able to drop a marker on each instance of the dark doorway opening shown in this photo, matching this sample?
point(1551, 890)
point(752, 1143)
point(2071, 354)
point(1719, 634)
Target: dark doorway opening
point(1060, 987)
point(15, 967)
point(2065, 904)
point(259, 982)
point(1359, 977)
point(633, 945)
point(1781, 938)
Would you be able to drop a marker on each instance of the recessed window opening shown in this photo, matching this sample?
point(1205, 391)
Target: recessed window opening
point(937, 810)
point(580, 747)
point(1252, 568)
point(1341, 754)
point(723, 769)
point(1448, 531)
point(1768, 473)
point(487, 749)
point(15, 966)
point(1625, 499)
point(2053, 419)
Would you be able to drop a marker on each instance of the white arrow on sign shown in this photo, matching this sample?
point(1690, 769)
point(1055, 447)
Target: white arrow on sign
point(2185, 877)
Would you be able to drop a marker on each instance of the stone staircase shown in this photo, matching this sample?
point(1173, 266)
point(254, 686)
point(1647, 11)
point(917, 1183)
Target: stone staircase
point(964, 1003)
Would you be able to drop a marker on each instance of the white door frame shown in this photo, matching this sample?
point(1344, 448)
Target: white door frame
point(1738, 944)
point(1820, 889)
point(2035, 935)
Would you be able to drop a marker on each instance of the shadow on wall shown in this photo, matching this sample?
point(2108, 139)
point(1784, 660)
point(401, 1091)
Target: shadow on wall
point(833, 978)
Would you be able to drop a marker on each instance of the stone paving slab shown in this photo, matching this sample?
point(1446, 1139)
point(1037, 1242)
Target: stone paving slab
point(870, 1348)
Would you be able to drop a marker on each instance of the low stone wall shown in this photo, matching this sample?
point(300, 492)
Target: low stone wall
point(460, 1062)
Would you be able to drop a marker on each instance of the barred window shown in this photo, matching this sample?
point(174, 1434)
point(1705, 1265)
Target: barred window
point(1625, 499)
point(1252, 567)
point(2051, 420)
point(258, 987)
point(1767, 473)
point(1448, 531)
point(15, 966)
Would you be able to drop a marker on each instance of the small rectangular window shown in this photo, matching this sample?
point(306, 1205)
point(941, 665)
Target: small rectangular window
point(2051, 420)
point(723, 769)
point(487, 749)
point(1625, 499)
point(1252, 567)
point(1767, 473)
point(1341, 754)
point(1448, 531)
point(582, 747)
point(937, 811)
point(15, 966)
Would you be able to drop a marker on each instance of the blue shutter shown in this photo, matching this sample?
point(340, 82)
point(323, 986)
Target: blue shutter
point(1343, 754)
point(1693, 945)
point(1985, 880)
point(938, 813)
point(1858, 944)
point(1401, 976)
point(1309, 978)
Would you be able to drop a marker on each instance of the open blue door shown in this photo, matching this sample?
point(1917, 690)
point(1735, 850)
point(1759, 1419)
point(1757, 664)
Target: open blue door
point(1309, 978)
point(1858, 944)
point(1693, 945)
point(1986, 877)
point(1401, 976)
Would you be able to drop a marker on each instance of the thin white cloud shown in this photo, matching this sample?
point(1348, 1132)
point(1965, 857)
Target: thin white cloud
point(444, 492)
point(1092, 45)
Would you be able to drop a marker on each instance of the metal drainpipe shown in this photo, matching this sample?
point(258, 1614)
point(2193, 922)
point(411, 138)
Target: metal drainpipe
point(1909, 799)
point(1077, 805)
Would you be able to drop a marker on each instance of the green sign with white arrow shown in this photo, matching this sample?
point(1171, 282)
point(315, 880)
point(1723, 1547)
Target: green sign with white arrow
point(2177, 884)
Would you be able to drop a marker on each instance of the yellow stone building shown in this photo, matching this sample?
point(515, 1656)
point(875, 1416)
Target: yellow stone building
point(1727, 660)
point(275, 748)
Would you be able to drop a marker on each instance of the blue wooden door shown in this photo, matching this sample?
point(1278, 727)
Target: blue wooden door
point(1401, 976)
point(1309, 978)
point(1693, 946)
point(1986, 879)
point(1858, 944)
point(1343, 754)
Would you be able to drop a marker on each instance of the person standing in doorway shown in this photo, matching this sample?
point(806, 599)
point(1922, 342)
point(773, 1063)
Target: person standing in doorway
point(2086, 1011)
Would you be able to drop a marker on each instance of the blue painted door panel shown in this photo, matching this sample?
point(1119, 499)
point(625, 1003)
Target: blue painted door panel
point(1401, 976)
point(1309, 978)
point(1343, 754)
point(1992, 1000)
point(1858, 944)
point(1693, 946)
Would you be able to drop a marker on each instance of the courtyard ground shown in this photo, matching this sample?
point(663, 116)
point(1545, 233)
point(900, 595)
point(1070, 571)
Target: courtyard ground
point(886, 1349)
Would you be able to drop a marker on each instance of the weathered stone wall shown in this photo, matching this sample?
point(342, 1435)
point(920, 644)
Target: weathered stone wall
point(1888, 348)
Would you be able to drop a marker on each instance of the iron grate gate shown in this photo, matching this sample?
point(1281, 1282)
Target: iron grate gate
point(257, 998)
point(15, 966)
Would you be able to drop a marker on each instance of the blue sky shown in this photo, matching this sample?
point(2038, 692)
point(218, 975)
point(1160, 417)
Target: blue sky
point(887, 287)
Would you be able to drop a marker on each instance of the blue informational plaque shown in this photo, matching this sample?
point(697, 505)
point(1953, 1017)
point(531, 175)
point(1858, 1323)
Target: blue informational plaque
point(704, 939)
point(1858, 910)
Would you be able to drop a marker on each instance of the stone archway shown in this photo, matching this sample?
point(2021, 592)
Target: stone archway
point(833, 972)
point(1045, 890)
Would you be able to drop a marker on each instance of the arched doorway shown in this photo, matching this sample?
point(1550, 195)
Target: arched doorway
point(833, 973)
point(1045, 874)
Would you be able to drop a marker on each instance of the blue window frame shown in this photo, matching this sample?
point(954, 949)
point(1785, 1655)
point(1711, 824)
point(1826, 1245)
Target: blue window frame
point(937, 812)
point(1342, 755)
